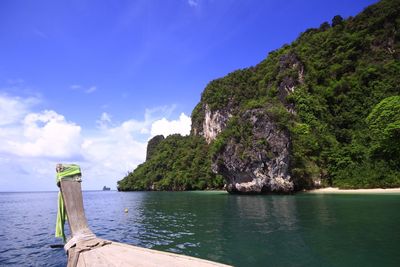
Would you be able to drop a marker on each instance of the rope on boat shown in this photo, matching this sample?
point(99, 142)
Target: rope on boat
point(81, 243)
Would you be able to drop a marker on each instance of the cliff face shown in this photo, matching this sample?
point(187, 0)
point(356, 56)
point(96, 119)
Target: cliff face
point(292, 72)
point(299, 119)
point(260, 161)
point(262, 165)
point(214, 123)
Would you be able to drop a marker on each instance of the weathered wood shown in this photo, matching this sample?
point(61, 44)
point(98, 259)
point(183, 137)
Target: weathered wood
point(73, 257)
point(86, 249)
point(72, 194)
point(118, 254)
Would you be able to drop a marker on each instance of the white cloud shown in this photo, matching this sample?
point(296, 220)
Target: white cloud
point(12, 109)
point(166, 127)
point(31, 143)
point(45, 134)
point(114, 150)
point(104, 121)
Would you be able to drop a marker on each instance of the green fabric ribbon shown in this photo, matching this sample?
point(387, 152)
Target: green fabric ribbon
point(61, 217)
point(65, 172)
point(68, 172)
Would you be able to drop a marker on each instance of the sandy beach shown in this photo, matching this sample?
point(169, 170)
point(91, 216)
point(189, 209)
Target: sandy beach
point(334, 190)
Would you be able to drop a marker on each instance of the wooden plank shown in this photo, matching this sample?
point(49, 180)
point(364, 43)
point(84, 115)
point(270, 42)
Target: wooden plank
point(73, 257)
point(118, 254)
point(72, 194)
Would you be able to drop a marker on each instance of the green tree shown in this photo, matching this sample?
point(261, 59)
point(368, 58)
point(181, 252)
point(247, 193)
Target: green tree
point(337, 20)
point(384, 125)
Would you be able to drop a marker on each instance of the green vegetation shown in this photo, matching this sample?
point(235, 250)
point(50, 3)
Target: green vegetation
point(349, 69)
point(152, 144)
point(384, 125)
point(176, 163)
point(343, 82)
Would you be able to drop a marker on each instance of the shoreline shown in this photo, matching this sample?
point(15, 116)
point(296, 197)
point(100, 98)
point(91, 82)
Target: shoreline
point(336, 190)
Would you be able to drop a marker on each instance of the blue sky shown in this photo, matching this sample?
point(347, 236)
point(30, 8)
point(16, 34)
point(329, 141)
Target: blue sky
point(91, 81)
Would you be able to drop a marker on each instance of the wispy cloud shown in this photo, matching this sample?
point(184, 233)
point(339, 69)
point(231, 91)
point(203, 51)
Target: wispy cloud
point(40, 33)
point(193, 3)
point(87, 90)
point(75, 87)
point(91, 90)
point(104, 121)
point(15, 82)
point(13, 109)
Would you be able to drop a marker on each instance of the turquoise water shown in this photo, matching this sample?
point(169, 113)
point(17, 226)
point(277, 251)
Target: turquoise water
point(295, 230)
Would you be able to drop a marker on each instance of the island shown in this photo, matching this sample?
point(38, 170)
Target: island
point(323, 111)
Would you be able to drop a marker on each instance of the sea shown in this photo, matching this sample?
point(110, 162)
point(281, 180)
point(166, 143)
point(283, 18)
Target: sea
point(242, 230)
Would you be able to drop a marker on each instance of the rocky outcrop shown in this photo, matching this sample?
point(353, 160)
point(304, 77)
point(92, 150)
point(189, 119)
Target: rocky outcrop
point(292, 72)
point(214, 123)
point(261, 166)
point(210, 122)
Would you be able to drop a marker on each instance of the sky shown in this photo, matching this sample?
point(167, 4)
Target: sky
point(90, 81)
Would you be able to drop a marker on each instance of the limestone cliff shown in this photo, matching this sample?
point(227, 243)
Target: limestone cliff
point(262, 165)
point(259, 160)
point(214, 122)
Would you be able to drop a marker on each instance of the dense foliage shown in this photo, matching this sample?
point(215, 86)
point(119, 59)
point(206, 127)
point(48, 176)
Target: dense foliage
point(350, 69)
point(152, 144)
point(176, 163)
point(335, 89)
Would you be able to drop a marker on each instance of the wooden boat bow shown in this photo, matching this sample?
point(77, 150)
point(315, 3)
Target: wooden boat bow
point(85, 249)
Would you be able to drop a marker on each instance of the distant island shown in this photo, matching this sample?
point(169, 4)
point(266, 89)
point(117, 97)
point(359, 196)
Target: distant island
point(321, 111)
point(105, 188)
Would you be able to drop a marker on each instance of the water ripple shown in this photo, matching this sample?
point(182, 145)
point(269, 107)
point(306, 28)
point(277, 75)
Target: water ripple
point(239, 230)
